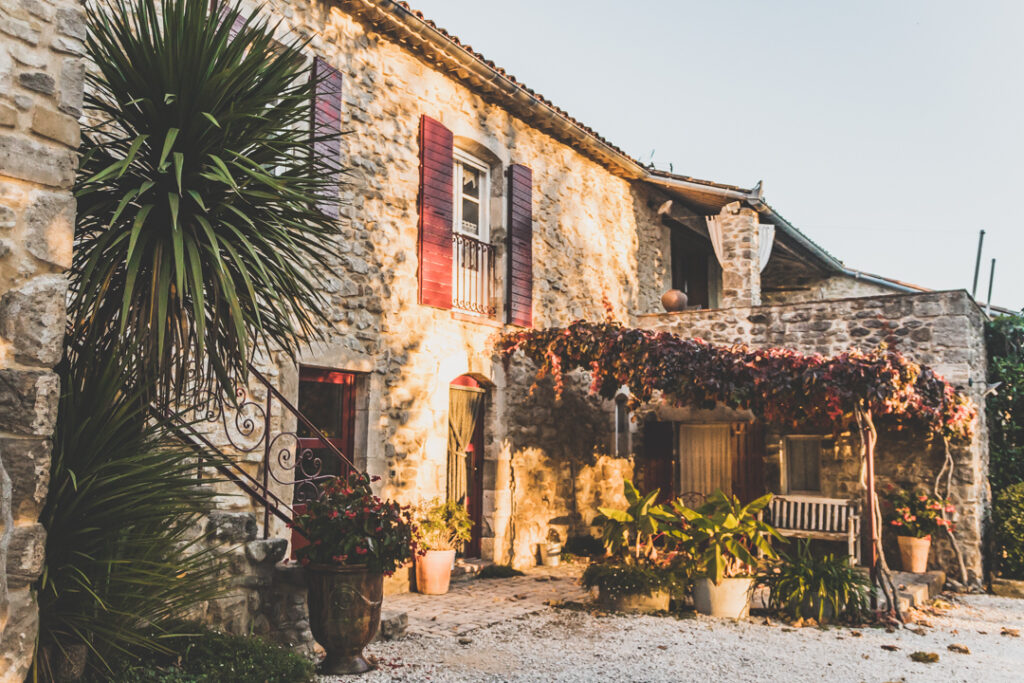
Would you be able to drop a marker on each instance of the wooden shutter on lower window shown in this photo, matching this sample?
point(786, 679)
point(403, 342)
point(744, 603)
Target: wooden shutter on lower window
point(520, 246)
point(326, 131)
point(436, 208)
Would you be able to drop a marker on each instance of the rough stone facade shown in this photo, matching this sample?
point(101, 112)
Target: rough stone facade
point(941, 329)
point(741, 269)
point(41, 81)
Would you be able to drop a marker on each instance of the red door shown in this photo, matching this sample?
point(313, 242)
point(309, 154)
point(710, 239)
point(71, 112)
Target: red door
point(327, 400)
point(655, 464)
point(474, 470)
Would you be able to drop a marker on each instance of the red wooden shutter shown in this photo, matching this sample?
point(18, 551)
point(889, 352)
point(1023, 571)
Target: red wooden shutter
point(520, 246)
point(326, 131)
point(436, 206)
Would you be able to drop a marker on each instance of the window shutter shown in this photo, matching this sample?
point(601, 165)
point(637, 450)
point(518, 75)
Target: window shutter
point(436, 207)
point(520, 246)
point(326, 131)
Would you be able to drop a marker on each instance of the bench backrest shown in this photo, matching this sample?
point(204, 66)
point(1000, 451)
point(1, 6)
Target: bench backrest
point(811, 513)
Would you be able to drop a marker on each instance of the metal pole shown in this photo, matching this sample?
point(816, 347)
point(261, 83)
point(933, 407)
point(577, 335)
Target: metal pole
point(991, 278)
point(977, 266)
point(266, 463)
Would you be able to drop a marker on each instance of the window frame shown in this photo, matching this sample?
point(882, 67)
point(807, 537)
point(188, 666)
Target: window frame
point(461, 158)
point(788, 461)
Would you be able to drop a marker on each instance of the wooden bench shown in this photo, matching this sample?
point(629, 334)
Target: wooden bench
point(829, 519)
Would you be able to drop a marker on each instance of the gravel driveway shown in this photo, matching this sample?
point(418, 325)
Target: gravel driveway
point(565, 645)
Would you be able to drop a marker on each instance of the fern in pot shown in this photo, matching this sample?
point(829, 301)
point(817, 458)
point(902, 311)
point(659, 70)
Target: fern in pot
point(824, 587)
point(441, 529)
point(724, 537)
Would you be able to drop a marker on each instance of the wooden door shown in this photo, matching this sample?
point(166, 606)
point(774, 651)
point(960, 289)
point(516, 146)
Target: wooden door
point(475, 488)
point(748, 470)
point(654, 468)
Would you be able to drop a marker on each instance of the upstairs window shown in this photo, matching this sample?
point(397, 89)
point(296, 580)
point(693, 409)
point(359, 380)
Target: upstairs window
point(472, 190)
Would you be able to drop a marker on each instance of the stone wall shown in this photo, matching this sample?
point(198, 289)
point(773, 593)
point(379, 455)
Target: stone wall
point(741, 269)
point(41, 76)
point(824, 288)
point(943, 330)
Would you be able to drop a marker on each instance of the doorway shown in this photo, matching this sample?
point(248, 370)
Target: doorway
point(465, 475)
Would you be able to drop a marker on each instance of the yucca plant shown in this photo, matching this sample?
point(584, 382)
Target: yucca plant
point(200, 236)
point(123, 559)
point(823, 587)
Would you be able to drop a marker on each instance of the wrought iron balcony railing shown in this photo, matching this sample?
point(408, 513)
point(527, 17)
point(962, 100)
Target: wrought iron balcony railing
point(473, 288)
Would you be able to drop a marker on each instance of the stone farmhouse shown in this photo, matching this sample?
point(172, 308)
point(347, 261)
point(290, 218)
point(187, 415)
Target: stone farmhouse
point(472, 204)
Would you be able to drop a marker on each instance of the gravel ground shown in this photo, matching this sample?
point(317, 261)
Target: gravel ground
point(565, 645)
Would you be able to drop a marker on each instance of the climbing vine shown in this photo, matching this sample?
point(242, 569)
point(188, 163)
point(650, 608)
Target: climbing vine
point(782, 386)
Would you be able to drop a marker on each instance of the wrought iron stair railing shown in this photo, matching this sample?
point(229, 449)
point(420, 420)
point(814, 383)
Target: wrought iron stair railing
point(250, 427)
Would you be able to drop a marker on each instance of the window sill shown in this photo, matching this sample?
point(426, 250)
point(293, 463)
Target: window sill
point(478, 319)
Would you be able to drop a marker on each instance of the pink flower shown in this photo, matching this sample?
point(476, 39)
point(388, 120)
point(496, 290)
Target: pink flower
point(361, 551)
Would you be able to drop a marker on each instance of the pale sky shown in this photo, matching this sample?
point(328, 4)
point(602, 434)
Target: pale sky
point(890, 132)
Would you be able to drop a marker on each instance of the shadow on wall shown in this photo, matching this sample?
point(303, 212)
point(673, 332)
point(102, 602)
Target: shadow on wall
point(563, 462)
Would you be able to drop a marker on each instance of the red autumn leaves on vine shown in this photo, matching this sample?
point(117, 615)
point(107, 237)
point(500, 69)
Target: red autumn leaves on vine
point(782, 386)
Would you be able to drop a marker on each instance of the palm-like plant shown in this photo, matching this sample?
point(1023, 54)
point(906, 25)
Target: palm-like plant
point(122, 559)
point(632, 532)
point(807, 585)
point(725, 536)
point(199, 237)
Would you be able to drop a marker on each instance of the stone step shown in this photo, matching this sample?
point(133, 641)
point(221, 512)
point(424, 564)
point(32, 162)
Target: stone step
point(467, 569)
point(917, 590)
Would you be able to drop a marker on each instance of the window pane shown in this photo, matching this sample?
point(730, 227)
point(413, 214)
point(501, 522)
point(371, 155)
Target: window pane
point(470, 217)
point(470, 182)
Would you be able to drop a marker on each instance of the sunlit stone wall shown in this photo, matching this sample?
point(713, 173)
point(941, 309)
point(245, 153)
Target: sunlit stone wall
point(944, 330)
point(40, 100)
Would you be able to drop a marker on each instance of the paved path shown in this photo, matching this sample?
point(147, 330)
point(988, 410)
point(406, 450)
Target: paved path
point(476, 603)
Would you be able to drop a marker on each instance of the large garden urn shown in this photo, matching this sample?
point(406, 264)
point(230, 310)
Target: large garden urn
point(344, 613)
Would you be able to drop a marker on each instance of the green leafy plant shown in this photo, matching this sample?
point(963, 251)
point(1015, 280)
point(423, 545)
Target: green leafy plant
point(1008, 526)
point(211, 657)
point(1004, 337)
point(583, 546)
point(617, 578)
point(349, 525)
point(442, 526)
point(724, 536)
point(199, 237)
point(916, 512)
point(122, 560)
point(630, 534)
point(806, 585)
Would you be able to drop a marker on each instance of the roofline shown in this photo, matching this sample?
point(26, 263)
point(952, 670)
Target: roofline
point(469, 67)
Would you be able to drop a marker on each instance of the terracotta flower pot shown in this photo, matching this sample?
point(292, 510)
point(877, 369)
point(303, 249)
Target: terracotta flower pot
point(344, 613)
point(730, 598)
point(633, 602)
point(434, 571)
point(914, 553)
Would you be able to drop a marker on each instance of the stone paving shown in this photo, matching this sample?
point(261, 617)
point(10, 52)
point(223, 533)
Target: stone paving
point(475, 603)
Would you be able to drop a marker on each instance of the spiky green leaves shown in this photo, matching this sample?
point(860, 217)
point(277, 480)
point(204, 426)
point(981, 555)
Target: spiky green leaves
point(198, 239)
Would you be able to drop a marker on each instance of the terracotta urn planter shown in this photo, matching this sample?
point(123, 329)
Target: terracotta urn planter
point(344, 613)
point(434, 571)
point(633, 602)
point(914, 553)
point(730, 598)
point(674, 300)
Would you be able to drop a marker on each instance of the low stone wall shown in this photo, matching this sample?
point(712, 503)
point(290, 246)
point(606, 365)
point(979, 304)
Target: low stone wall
point(944, 330)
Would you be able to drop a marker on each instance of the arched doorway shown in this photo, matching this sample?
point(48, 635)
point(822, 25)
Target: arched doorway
point(467, 399)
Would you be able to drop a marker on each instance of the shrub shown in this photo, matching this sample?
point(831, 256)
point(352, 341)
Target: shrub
point(1004, 338)
point(617, 578)
point(210, 657)
point(443, 526)
point(498, 571)
point(347, 524)
point(805, 585)
point(1008, 521)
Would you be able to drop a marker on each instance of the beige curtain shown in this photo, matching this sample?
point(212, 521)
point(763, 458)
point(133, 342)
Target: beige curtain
point(705, 458)
point(464, 408)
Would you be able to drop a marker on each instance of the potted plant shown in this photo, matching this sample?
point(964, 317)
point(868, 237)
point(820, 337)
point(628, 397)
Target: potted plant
point(915, 516)
point(355, 540)
point(441, 529)
point(817, 587)
point(634, 576)
point(551, 550)
point(723, 537)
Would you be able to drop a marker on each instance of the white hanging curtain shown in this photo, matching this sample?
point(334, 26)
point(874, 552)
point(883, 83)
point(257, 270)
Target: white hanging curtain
point(715, 232)
point(766, 239)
